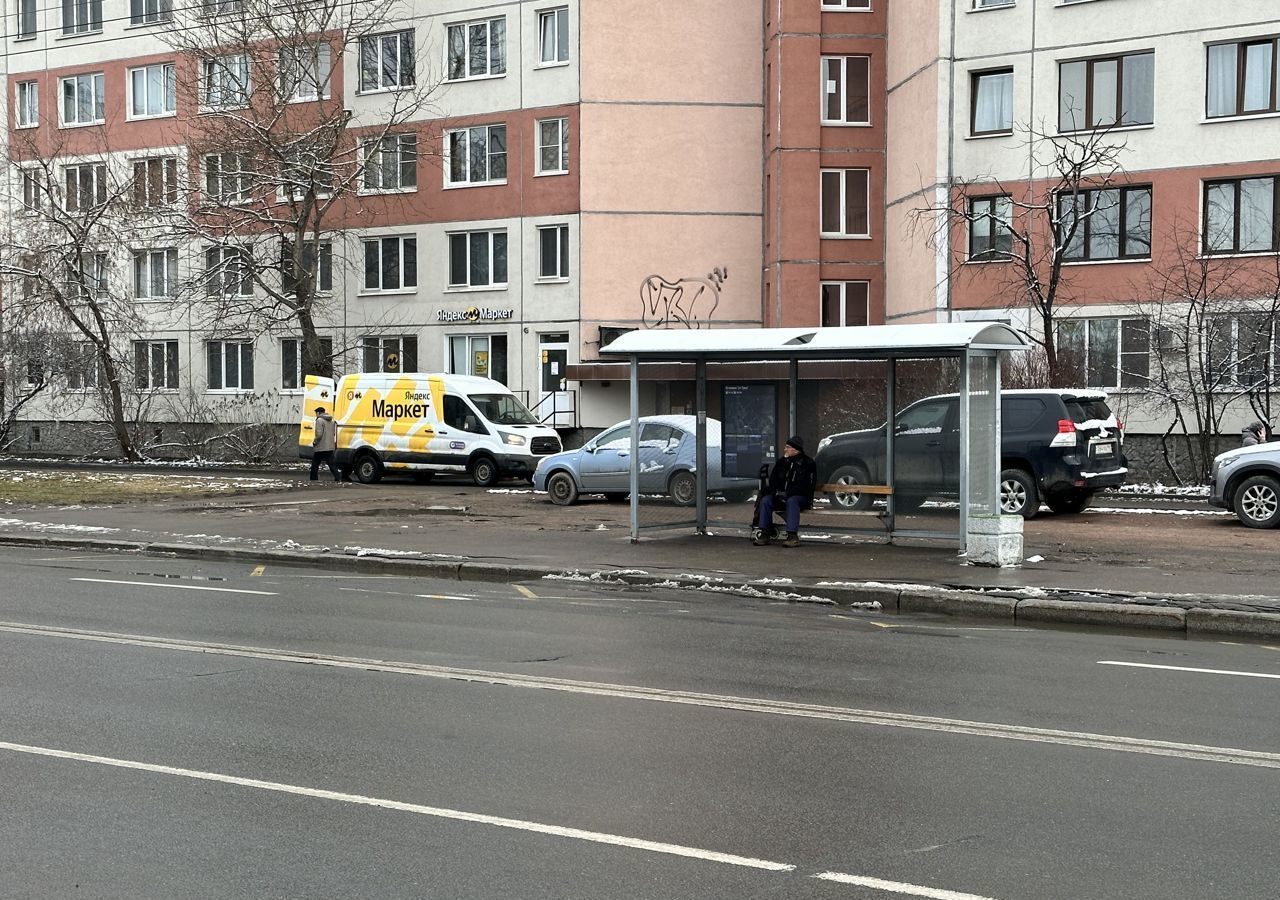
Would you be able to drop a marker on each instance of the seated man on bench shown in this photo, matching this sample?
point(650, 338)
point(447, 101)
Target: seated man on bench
point(791, 486)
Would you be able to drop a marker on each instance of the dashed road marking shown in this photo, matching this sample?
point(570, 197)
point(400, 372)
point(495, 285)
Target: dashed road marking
point(258, 570)
point(1134, 665)
point(897, 887)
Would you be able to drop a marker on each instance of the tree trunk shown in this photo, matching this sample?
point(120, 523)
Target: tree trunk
point(115, 407)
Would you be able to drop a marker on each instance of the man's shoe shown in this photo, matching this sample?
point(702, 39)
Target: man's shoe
point(760, 538)
point(793, 540)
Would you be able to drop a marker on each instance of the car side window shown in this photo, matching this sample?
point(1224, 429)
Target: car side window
point(1021, 413)
point(655, 436)
point(927, 418)
point(460, 416)
point(616, 439)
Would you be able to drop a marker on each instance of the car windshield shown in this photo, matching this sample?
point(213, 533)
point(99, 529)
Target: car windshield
point(502, 409)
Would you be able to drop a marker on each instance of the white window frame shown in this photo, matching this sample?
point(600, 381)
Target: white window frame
point(562, 253)
point(309, 171)
point(97, 182)
point(311, 72)
point(1115, 352)
point(405, 37)
point(26, 109)
point(324, 271)
point(228, 270)
point(150, 12)
point(839, 87)
point(846, 5)
point(844, 231)
point(26, 28)
point(171, 368)
point(225, 82)
point(145, 272)
point(843, 285)
point(241, 179)
point(31, 189)
point(392, 153)
point(491, 262)
point(144, 183)
point(232, 355)
point(298, 377)
point(95, 276)
point(168, 89)
point(85, 372)
point(557, 21)
point(81, 17)
point(468, 135)
point(92, 82)
point(407, 249)
point(495, 64)
point(381, 343)
point(560, 147)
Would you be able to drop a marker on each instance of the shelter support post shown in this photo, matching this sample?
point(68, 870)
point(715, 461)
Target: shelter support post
point(990, 538)
point(700, 456)
point(891, 413)
point(635, 450)
point(793, 399)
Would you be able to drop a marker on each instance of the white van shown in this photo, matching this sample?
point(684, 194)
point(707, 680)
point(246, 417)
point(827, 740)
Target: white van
point(420, 424)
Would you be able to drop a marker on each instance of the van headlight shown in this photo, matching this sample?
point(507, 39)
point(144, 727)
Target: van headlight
point(515, 440)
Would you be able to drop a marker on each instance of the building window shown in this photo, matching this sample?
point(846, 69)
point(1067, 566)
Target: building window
point(293, 375)
point(32, 189)
point(553, 252)
point(553, 35)
point(1108, 224)
point(387, 61)
point(155, 273)
point(391, 163)
point(84, 99)
point(1108, 353)
point(991, 4)
point(228, 178)
point(1239, 350)
point(1240, 216)
point(228, 272)
point(81, 16)
point(85, 186)
point(483, 355)
point(846, 203)
point(155, 365)
point(225, 82)
point(27, 111)
point(1242, 78)
point(84, 369)
point(323, 275)
point(220, 7)
point(153, 91)
point(476, 155)
point(304, 72)
point(148, 12)
point(155, 181)
point(845, 303)
point(859, 5)
point(304, 174)
point(992, 94)
point(478, 259)
point(846, 90)
point(1100, 93)
point(990, 221)
point(390, 264)
point(26, 19)
point(477, 49)
point(229, 365)
point(390, 354)
point(553, 146)
point(86, 275)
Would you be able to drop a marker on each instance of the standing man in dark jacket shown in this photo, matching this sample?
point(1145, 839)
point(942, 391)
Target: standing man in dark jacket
point(791, 486)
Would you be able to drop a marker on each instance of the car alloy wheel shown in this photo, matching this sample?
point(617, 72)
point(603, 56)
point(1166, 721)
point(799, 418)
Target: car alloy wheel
point(1258, 502)
point(1018, 494)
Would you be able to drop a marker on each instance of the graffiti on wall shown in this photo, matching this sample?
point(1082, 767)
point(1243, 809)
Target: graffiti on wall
point(685, 303)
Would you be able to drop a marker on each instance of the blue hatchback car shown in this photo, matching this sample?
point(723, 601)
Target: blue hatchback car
point(667, 449)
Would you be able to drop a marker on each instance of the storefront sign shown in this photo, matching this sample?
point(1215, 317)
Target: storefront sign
point(475, 314)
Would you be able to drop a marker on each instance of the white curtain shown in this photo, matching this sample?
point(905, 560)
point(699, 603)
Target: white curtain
point(993, 110)
point(1138, 90)
point(1257, 212)
point(1222, 80)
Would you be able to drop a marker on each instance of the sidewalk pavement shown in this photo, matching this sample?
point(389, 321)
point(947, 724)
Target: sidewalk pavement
point(459, 531)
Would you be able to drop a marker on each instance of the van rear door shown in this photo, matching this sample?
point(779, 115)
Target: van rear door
point(320, 393)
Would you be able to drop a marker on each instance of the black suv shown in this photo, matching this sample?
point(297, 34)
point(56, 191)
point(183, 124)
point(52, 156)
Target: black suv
point(1059, 446)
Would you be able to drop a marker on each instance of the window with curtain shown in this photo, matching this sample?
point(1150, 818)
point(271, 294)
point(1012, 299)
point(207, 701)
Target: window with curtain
point(1241, 78)
point(845, 203)
point(845, 303)
point(1239, 216)
point(1110, 352)
point(553, 36)
point(1104, 92)
point(992, 102)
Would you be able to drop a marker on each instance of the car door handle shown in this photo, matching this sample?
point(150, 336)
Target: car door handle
point(624, 452)
point(933, 443)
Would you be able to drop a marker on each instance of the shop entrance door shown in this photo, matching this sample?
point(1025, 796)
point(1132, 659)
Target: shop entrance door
point(557, 406)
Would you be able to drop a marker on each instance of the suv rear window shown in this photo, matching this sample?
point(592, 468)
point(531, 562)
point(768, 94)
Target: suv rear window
point(1020, 413)
point(1086, 410)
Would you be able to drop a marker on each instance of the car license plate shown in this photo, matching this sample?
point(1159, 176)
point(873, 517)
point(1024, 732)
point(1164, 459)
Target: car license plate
point(1103, 449)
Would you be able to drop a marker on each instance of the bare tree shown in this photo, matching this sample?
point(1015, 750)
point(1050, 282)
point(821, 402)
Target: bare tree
point(277, 160)
point(25, 375)
point(1032, 229)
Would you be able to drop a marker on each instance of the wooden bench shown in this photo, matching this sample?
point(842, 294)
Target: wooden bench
point(882, 490)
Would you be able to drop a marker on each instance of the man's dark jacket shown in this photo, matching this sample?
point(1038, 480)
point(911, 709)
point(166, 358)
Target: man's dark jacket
point(794, 476)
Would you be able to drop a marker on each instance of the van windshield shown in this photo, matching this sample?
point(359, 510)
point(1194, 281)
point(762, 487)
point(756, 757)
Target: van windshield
point(502, 409)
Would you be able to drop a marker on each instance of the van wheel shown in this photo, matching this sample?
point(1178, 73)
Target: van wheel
point(851, 500)
point(561, 489)
point(484, 471)
point(683, 488)
point(1069, 502)
point(1257, 502)
point(1018, 495)
point(367, 468)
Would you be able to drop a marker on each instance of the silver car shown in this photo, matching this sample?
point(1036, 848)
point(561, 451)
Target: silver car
point(1247, 481)
point(667, 448)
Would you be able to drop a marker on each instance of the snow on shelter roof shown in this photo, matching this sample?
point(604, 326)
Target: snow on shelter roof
point(859, 342)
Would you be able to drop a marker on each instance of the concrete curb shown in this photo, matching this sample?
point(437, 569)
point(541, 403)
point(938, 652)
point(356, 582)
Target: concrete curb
point(1143, 613)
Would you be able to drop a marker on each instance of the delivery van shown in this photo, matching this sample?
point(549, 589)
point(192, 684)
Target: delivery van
point(420, 424)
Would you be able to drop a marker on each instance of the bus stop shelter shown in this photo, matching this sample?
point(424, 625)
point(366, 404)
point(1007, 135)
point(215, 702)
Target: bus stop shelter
point(977, 346)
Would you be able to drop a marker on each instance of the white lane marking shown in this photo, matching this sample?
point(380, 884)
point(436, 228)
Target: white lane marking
point(179, 587)
point(897, 887)
point(1198, 752)
point(1134, 665)
point(578, 834)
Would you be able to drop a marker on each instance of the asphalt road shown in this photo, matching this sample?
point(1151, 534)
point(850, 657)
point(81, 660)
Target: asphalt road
point(178, 730)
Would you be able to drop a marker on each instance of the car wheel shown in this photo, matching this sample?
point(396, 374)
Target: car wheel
point(1018, 496)
point(561, 489)
point(423, 477)
point(1257, 502)
point(615, 496)
point(683, 488)
point(739, 495)
point(367, 468)
point(484, 471)
point(849, 500)
point(1069, 502)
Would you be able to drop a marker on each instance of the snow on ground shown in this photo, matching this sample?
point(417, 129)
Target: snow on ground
point(53, 527)
point(1158, 489)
